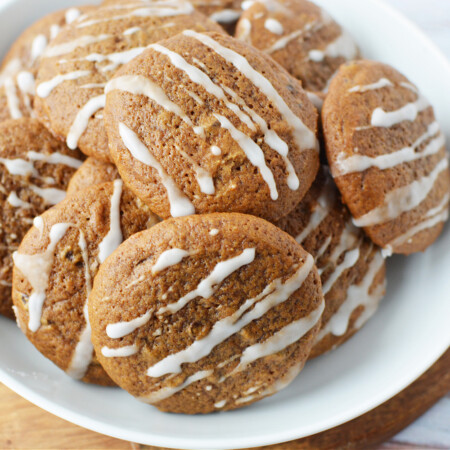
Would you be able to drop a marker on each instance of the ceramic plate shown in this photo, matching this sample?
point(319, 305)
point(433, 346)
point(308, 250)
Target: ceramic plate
point(408, 334)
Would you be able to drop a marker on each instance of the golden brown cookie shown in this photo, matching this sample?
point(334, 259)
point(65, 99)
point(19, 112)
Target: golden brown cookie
point(207, 312)
point(19, 67)
point(56, 263)
point(300, 36)
point(35, 170)
point(224, 12)
point(351, 267)
point(87, 53)
point(205, 123)
point(92, 171)
point(387, 156)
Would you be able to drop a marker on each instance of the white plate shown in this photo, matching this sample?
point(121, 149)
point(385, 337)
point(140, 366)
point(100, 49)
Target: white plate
point(406, 337)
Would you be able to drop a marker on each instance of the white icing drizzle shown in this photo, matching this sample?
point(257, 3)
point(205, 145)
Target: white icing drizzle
point(245, 30)
point(274, 294)
point(214, 232)
point(305, 138)
point(38, 46)
point(350, 259)
point(211, 283)
point(357, 295)
point(281, 339)
point(139, 85)
point(253, 152)
point(121, 352)
point(54, 31)
point(55, 158)
point(359, 163)
point(72, 14)
point(114, 237)
point(225, 16)
point(84, 350)
point(25, 81)
point(387, 119)
point(12, 99)
point(81, 121)
point(381, 83)
point(323, 248)
point(121, 329)
point(51, 196)
point(166, 392)
point(69, 47)
point(44, 89)
point(17, 202)
point(315, 100)
point(180, 205)
point(402, 199)
point(36, 269)
point(343, 46)
point(220, 404)
point(433, 217)
point(169, 258)
point(38, 222)
point(282, 42)
point(132, 30)
point(215, 150)
point(273, 26)
point(18, 166)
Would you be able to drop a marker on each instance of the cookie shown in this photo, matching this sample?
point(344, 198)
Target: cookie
point(19, 67)
point(387, 155)
point(351, 267)
point(86, 54)
point(55, 265)
point(91, 172)
point(35, 170)
point(205, 123)
point(225, 12)
point(300, 36)
point(207, 312)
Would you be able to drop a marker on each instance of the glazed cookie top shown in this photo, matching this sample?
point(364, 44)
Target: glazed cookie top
point(87, 53)
point(199, 312)
point(351, 267)
point(56, 263)
point(205, 123)
point(91, 172)
point(19, 67)
point(387, 155)
point(300, 36)
point(224, 12)
point(35, 170)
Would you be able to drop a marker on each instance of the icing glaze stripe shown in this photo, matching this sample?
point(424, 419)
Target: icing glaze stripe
point(121, 352)
point(44, 89)
point(169, 258)
point(381, 83)
point(121, 329)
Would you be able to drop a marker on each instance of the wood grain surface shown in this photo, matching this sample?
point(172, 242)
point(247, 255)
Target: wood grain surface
point(23, 425)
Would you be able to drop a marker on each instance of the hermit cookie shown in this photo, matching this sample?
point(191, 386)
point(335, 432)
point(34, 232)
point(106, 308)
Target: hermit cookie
point(351, 267)
point(205, 123)
point(387, 155)
point(300, 36)
point(207, 312)
point(19, 67)
point(224, 12)
point(35, 170)
point(92, 171)
point(55, 265)
point(87, 53)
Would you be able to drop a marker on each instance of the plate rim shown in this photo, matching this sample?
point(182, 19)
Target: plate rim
point(231, 443)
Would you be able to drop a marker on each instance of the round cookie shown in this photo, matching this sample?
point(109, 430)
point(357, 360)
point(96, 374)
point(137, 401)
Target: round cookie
point(92, 172)
point(35, 170)
point(205, 123)
point(56, 263)
point(351, 267)
point(86, 54)
point(301, 37)
point(387, 156)
point(206, 312)
point(19, 67)
point(224, 12)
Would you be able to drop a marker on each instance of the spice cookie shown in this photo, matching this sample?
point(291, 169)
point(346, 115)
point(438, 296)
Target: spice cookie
point(205, 123)
point(35, 170)
point(19, 67)
point(387, 155)
point(224, 12)
point(56, 263)
point(301, 37)
point(351, 267)
point(206, 312)
point(86, 54)
point(91, 172)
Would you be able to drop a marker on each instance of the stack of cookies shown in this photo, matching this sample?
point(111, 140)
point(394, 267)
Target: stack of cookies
point(200, 196)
